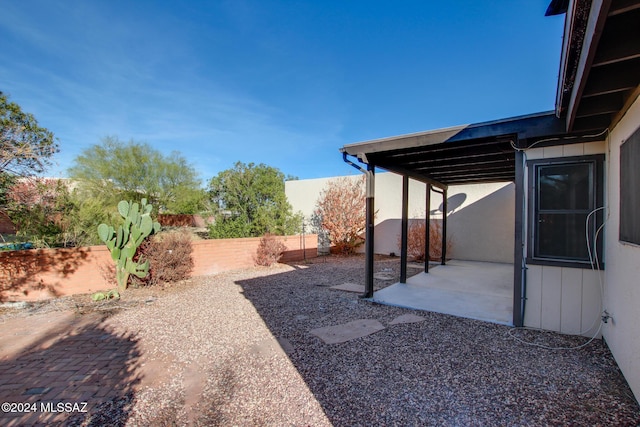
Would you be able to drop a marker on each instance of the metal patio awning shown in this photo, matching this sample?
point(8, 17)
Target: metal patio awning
point(476, 153)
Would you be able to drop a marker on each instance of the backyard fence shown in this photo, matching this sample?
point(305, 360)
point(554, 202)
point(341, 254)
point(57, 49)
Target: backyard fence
point(36, 274)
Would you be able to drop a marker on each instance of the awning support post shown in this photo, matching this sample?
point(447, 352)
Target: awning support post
point(445, 209)
point(369, 223)
point(427, 227)
point(405, 229)
point(519, 260)
point(370, 214)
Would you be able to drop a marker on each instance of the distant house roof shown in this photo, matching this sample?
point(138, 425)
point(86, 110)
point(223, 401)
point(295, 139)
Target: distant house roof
point(599, 79)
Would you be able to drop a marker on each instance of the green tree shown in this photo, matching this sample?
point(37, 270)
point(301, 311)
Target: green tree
point(115, 170)
point(249, 201)
point(25, 147)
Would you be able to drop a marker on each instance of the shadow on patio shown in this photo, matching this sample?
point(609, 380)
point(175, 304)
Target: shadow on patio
point(70, 361)
point(444, 370)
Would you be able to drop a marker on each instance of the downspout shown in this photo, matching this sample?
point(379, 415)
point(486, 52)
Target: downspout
point(519, 261)
point(368, 251)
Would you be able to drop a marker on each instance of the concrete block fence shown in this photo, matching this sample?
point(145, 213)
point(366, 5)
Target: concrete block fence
point(37, 274)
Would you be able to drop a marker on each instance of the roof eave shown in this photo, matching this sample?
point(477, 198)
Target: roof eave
point(594, 26)
point(522, 127)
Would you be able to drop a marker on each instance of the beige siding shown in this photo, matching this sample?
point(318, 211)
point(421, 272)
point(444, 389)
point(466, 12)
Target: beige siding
point(551, 298)
point(622, 274)
point(565, 300)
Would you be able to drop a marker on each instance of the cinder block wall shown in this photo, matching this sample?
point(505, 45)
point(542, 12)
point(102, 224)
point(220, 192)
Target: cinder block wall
point(214, 256)
point(37, 274)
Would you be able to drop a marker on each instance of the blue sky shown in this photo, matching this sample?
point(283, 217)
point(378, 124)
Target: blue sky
point(285, 83)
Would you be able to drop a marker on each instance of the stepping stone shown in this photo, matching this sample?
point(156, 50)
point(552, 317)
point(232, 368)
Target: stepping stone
point(383, 276)
point(349, 287)
point(286, 345)
point(271, 346)
point(407, 318)
point(347, 331)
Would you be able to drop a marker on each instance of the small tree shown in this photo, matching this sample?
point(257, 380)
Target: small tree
point(249, 201)
point(114, 170)
point(341, 212)
point(124, 241)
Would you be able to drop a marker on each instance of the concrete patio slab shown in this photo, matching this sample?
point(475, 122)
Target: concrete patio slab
point(476, 290)
point(347, 331)
point(349, 287)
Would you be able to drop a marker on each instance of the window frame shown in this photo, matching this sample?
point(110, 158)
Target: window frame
point(596, 194)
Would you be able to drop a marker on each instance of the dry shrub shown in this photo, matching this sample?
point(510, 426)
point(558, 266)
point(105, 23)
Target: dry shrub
point(415, 242)
point(269, 250)
point(170, 258)
point(341, 212)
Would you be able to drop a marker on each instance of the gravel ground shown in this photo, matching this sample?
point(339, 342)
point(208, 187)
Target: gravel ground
point(212, 354)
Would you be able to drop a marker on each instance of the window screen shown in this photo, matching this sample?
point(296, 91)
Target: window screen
point(563, 193)
point(630, 189)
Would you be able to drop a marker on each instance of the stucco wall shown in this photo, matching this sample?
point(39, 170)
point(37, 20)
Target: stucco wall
point(481, 217)
point(561, 299)
point(622, 275)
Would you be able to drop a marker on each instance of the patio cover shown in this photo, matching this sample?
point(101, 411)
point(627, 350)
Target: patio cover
point(468, 154)
point(598, 81)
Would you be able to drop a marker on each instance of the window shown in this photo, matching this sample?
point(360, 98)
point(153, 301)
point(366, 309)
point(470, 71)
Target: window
point(563, 194)
point(630, 189)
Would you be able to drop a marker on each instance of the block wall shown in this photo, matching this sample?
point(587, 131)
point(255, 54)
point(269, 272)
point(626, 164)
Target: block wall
point(37, 274)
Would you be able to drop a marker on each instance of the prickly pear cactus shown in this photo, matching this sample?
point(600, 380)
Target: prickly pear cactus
point(123, 242)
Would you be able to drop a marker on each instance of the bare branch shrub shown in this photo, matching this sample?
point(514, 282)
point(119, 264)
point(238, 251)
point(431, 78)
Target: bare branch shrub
point(341, 210)
point(269, 251)
point(170, 258)
point(415, 242)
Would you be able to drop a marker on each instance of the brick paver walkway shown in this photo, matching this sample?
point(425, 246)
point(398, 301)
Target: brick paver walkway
point(57, 367)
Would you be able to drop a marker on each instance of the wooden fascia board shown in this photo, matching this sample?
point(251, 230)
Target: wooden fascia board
point(420, 139)
point(595, 24)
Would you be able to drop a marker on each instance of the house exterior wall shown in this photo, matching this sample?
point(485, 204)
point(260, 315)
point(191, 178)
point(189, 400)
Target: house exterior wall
point(622, 283)
point(562, 299)
point(480, 222)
